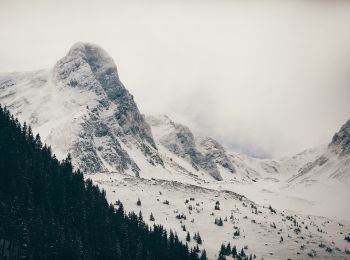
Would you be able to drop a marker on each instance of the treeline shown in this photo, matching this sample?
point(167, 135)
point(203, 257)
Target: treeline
point(48, 211)
point(227, 250)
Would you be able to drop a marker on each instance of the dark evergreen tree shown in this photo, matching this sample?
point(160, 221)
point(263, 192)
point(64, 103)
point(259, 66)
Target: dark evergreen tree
point(228, 249)
point(217, 205)
point(347, 238)
point(234, 251)
point(140, 216)
point(199, 239)
point(222, 253)
point(203, 255)
point(188, 237)
point(48, 211)
point(242, 254)
point(196, 249)
point(220, 223)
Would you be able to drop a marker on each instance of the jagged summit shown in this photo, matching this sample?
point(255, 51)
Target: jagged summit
point(332, 163)
point(83, 108)
point(88, 66)
point(341, 140)
point(85, 48)
point(98, 59)
point(203, 153)
point(92, 62)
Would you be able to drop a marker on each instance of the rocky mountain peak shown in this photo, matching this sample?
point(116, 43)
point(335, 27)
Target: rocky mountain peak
point(101, 64)
point(202, 153)
point(341, 140)
point(85, 110)
point(88, 67)
point(92, 52)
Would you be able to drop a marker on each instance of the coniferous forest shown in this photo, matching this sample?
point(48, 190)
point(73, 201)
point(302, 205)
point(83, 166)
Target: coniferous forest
point(48, 211)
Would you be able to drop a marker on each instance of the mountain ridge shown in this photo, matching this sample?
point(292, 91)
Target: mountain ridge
point(101, 125)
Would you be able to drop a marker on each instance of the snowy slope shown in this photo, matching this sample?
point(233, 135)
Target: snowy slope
point(301, 183)
point(260, 230)
point(333, 163)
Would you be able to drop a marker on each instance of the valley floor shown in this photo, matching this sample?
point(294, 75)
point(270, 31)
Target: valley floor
point(328, 198)
point(261, 230)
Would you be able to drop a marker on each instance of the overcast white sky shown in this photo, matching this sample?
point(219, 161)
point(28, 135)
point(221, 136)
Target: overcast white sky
point(270, 78)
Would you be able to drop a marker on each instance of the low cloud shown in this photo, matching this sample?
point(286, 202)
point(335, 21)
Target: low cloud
point(264, 77)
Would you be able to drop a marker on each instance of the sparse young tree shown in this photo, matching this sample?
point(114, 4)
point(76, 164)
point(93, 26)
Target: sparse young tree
point(220, 223)
point(151, 217)
point(217, 205)
point(188, 237)
point(347, 238)
point(199, 239)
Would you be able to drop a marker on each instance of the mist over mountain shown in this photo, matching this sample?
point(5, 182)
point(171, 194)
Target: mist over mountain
point(265, 77)
point(81, 107)
point(187, 181)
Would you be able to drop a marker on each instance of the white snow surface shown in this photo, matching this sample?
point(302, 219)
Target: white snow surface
point(260, 230)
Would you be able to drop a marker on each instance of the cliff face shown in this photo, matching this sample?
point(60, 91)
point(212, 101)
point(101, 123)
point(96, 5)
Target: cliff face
point(82, 107)
point(341, 140)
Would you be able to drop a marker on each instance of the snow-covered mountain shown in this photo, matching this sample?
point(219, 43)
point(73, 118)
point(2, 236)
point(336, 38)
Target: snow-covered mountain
point(81, 107)
point(332, 163)
point(203, 153)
